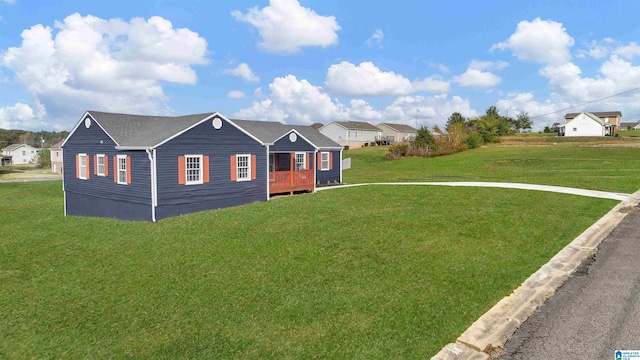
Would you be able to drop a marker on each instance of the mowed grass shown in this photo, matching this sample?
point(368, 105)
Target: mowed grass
point(367, 273)
point(569, 164)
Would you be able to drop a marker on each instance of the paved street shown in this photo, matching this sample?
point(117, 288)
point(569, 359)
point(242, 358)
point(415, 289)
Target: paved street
point(594, 312)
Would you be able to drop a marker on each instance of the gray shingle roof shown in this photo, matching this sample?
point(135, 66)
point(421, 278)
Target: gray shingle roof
point(144, 130)
point(269, 131)
point(400, 127)
point(150, 130)
point(14, 146)
point(356, 125)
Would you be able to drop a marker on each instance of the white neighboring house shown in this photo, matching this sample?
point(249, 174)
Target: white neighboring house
point(56, 158)
point(20, 154)
point(353, 134)
point(395, 133)
point(586, 124)
point(609, 117)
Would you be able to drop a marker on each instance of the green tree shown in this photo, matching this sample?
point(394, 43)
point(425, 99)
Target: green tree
point(523, 122)
point(425, 140)
point(455, 118)
point(44, 159)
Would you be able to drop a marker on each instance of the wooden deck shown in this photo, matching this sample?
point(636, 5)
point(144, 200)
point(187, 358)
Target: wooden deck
point(290, 181)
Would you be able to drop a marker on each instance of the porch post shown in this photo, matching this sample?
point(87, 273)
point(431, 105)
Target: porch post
point(292, 165)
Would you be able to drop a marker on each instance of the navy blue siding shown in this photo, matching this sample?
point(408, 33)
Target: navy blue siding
point(100, 195)
point(333, 175)
point(285, 145)
point(220, 191)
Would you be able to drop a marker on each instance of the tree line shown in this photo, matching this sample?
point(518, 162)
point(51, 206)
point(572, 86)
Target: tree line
point(9, 137)
point(461, 134)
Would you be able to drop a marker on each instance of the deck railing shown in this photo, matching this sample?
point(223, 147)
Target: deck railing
point(290, 181)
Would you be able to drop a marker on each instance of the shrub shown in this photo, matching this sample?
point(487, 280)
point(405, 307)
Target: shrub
point(474, 140)
point(399, 148)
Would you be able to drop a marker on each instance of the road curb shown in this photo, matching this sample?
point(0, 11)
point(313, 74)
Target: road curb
point(485, 338)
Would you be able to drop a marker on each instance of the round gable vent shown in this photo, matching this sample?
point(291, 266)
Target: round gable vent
point(293, 137)
point(87, 123)
point(217, 123)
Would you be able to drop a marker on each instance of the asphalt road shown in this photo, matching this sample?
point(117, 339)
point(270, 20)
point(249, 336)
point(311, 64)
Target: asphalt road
point(595, 312)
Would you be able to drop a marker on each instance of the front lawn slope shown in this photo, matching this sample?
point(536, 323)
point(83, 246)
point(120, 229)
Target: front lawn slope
point(613, 169)
point(371, 273)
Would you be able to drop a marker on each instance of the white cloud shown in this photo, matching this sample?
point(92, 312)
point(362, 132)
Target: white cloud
point(628, 51)
point(86, 62)
point(257, 92)
point(285, 26)
point(376, 39)
point(8, 1)
point(488, 65)
point(542, 41)
point(477, 79)
point(298, 101)
point(367, 79)
point(235, 94)
point(244, 71)
point(16, 116)
point(518, 103)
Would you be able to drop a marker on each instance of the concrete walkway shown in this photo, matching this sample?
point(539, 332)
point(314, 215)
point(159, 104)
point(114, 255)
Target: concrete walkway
point(556, 189)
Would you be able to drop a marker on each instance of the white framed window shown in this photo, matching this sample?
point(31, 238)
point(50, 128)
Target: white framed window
point(122, 169)
point(24, 153)
point(193, 169)
point(243, 167)
point(301, 161)
point(100, 164)
point(324, 161)
point(82, 166)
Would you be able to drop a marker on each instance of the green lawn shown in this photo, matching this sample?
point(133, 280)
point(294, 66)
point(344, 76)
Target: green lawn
point(588, 167)
point(369, 273)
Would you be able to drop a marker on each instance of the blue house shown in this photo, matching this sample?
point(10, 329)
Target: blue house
point(135, 167)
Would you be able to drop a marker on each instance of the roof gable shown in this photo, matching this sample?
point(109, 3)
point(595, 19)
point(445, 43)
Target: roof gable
point(596, 113)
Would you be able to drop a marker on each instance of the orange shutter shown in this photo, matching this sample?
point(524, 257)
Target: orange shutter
point(253, 167)
point(205, 169)
point(309, 167)
point(319, 164)
point(182, 177)
point(115, 169)
point(330, 161)
point(87, 168)
point(128, 170)
point(78, 166)
point(234, 165)
point(95, 164)
point(106, 165)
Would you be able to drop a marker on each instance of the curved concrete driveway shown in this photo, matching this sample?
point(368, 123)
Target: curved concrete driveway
point(556, 189)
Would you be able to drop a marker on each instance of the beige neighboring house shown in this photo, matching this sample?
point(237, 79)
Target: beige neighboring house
point(56, 158)
point(17, 154)
point(630, 125)
point(586, 124)
point(607, 117)
point(395, 133)
point(353, 134)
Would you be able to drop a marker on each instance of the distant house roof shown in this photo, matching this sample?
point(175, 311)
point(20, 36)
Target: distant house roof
point(317, 126)
point(629, 124)
point(356, 125)
point(400, 127)
point(56, 145)
point(598, 114)
point(15, 146)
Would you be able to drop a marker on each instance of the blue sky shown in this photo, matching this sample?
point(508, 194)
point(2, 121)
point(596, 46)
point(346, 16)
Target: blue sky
point(310, 61)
